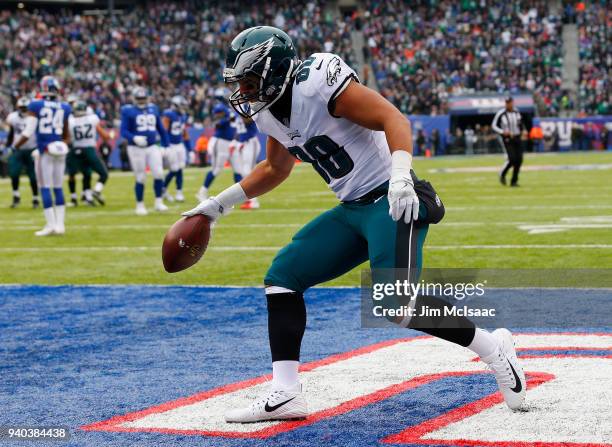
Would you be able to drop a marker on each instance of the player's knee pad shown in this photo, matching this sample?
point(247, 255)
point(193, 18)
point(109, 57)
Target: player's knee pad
point(286, 322)
point(140, 177)
point(157, 171)
point(281, 272)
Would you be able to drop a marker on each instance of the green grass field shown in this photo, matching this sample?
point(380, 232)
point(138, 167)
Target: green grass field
point(111, 245)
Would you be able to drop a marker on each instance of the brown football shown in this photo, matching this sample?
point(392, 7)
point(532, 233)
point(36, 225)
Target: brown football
point(185, 243)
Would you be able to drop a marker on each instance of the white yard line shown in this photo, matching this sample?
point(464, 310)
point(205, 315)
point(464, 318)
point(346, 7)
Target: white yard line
point(272, 248)
point(129, 212)
point(31, 225)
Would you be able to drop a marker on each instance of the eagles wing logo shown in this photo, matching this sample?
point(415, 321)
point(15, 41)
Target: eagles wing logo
point(252, 56)
point(333, 70)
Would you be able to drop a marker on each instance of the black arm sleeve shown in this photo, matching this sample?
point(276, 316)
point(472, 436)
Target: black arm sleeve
point(11, 137)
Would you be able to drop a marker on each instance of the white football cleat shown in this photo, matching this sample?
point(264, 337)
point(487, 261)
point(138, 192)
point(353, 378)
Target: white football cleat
point(168, 197)
point(251, 204)
point(274, 405)
point(141, 210)
point(508, 372)
point(179, 197)
point(60, 229)
point(202, 194)
point(46, 231)
point(161, 207)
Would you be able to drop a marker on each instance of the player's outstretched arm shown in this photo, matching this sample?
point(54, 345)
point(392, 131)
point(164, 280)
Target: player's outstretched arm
point(266, 176)
point(369, 109)
point(271, 172)
point(30, 127)
point(103, 133)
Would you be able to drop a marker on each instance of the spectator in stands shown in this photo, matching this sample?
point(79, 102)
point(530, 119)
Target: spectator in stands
point(170, 47)
point(423, 52)
point(595, 88)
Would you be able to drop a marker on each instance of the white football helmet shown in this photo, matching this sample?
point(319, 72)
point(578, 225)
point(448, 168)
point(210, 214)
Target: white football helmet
point(22, 104)
point(178, 103)
point(141, 97)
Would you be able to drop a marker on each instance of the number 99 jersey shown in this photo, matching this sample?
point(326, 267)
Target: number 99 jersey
point(352, 160)
point(51, 117)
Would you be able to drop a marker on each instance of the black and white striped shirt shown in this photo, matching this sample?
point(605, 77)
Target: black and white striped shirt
point(507, 121)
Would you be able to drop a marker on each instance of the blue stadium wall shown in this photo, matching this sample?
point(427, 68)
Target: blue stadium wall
point(593, 138)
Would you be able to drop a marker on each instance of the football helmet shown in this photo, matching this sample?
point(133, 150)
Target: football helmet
point(80, 108)
point(265, 55)
point(141, 97)
point(22, 104)
point(49, 87)
point(178, 103)
point(72, 99)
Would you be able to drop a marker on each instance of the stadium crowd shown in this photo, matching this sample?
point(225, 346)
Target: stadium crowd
point(170, 47)
point(595, 34)
point(423, 51)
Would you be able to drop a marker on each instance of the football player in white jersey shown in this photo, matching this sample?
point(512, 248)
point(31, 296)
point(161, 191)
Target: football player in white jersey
point(361, 145)
point(18, 160)
point(85, 127)
point(248, 147)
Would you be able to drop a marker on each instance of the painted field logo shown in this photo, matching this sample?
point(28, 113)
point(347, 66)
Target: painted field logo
point(568, 402)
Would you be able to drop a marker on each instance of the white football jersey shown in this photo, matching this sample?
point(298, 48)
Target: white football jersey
point(352, 160)
point(83, 131)
point(18, 123)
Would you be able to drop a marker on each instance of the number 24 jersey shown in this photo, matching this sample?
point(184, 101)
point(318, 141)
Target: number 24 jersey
point(51, 117)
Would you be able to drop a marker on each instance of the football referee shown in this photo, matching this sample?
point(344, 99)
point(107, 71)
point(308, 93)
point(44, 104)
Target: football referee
point(508, 124)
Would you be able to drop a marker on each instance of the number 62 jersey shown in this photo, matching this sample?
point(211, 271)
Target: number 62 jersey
point(352, 159)
point(83, 131)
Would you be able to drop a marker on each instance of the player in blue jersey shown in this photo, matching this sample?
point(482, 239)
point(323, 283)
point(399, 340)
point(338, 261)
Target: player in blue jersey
point(175, 121)
point(249, 147)
point(48, 119)
point(141, 126)
point(219, 148)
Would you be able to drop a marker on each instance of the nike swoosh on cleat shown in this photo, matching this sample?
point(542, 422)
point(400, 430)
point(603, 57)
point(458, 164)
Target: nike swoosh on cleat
point(270, 409)
point(518, 388)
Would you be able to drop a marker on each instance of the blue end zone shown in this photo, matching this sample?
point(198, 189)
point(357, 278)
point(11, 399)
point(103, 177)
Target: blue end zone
point(71, 356)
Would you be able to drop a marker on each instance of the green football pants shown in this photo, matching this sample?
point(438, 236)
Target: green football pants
point(86, 161)
point(20, 159)
point(344, 237)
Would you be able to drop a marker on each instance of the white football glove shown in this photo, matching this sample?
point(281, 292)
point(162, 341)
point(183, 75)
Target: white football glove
point(403, 200)
point(220, 205)
point(141, 141)
point(209, 207)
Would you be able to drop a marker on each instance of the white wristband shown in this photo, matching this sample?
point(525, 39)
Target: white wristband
point(401, 163)
point(231, 196)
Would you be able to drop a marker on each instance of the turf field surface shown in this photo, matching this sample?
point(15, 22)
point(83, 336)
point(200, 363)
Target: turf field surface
point(560, 217)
